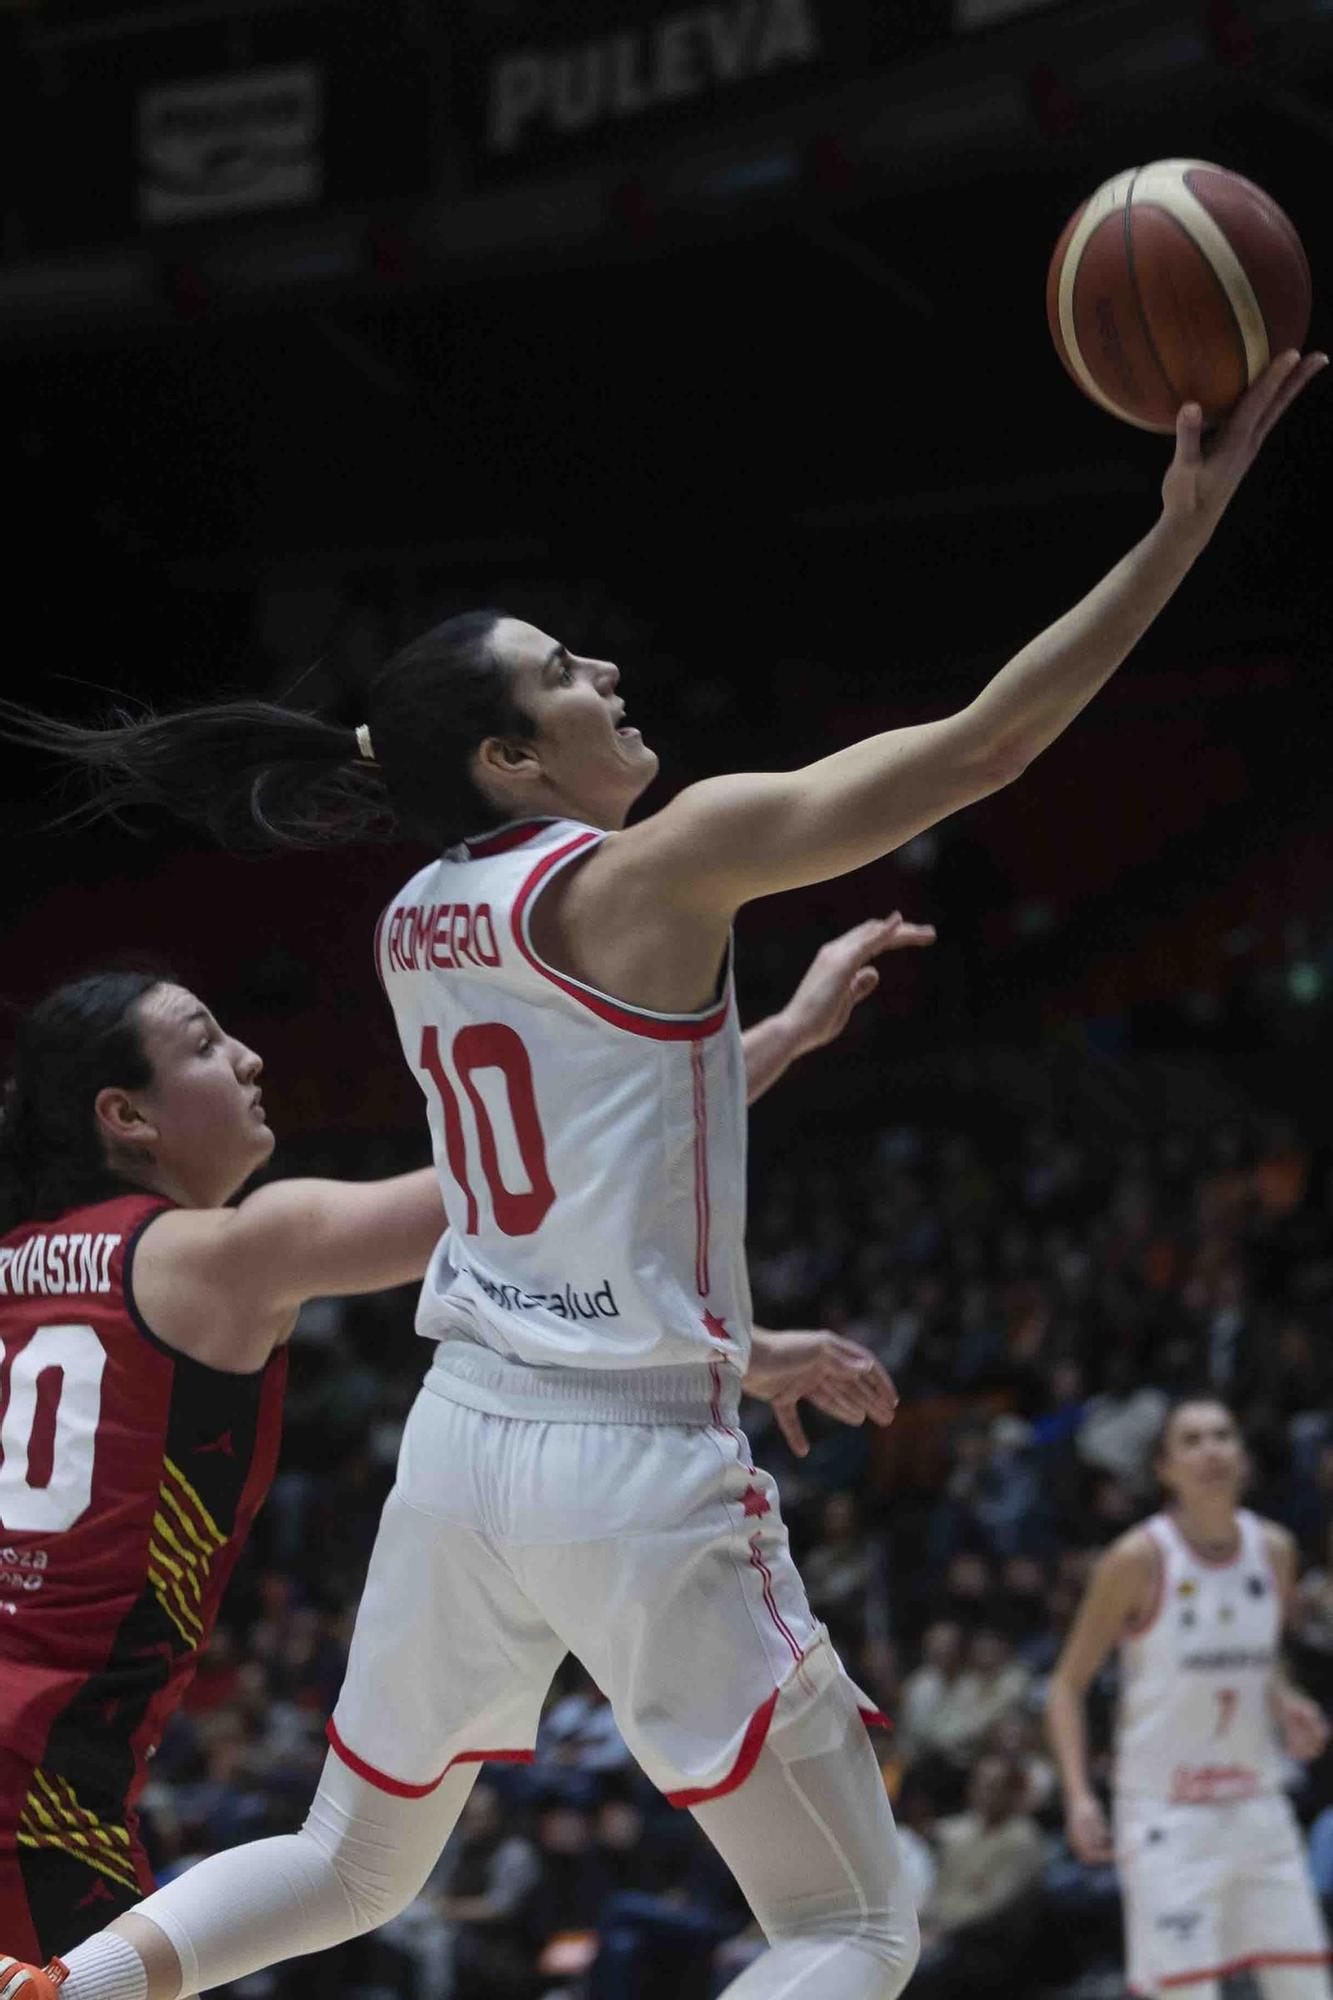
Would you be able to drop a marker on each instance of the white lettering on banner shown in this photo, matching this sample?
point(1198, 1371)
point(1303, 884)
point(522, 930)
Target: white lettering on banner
point(571, 89)
point(221, 144)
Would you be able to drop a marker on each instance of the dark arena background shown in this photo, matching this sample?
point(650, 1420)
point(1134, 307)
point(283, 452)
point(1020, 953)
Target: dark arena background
point(709, 334)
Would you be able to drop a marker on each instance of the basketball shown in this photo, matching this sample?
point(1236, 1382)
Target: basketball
point(1175, 283)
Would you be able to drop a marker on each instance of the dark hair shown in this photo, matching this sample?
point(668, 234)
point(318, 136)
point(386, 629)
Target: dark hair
point(77, 1041)
point(256, 774)
point(1181, 1399)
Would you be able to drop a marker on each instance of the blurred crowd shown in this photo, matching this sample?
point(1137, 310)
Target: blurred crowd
point(1037, 1297)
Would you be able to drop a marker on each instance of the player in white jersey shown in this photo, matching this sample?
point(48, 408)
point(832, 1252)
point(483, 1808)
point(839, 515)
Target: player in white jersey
point(1211, 1866)
point(572, 1474)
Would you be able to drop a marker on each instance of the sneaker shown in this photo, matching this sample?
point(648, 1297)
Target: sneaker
point(27, 1982)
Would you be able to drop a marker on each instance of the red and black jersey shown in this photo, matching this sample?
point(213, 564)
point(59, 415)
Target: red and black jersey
point(129, 1477)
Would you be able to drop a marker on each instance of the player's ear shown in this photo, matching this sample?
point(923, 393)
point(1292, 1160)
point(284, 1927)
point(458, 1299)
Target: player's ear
point(505, 758)
point(122, 1123)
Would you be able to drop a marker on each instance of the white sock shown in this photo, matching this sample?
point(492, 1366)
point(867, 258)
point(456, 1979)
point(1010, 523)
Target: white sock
point(105, 1968)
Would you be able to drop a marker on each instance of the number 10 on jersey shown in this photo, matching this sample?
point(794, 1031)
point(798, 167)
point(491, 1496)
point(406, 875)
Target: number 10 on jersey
point(494, 1047)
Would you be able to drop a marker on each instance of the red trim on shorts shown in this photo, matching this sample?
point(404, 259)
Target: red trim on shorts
point(658, 1027)
point(874, 1718)
point(757, 1562)
point(756, 1730)
point(396, 1786)
point(1248, 1965)
point(701, 1211)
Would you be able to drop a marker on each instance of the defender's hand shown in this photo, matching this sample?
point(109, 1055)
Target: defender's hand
point(840, 1377)
point(1304, 1726)
point(1087, 1831)
point(841, 975)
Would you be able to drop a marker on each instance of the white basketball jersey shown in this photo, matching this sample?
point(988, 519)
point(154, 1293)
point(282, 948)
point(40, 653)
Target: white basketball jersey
point(591, 1153)
point(1195, 1725)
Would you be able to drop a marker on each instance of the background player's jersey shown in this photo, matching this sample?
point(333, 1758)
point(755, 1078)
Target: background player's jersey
point(591, 1154)
point(129, 1478)
point(1195, 1724)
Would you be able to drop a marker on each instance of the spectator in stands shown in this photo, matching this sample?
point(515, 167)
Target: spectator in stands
point(982, 1908)
point(844, 1572)
point(1120, 1424)
point(487, 1876)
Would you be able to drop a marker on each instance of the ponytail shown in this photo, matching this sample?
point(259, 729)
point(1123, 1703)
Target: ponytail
point(249, 772)
point(254, 774)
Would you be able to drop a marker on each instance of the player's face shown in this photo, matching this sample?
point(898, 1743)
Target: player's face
point(1202, 1455)
point(202, 1116)
point(585, 758)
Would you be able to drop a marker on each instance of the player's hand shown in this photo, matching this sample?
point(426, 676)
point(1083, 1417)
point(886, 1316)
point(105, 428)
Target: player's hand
point(841, 975)
point(1200, 481)
point(840, 1377)
point(1087, 1831)
point(1303, 1724)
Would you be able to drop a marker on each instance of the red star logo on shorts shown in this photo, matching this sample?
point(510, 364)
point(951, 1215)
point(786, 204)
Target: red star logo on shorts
point(99, 1893)
point(220, 1444)
point(716, 1327)
point(754, 1502)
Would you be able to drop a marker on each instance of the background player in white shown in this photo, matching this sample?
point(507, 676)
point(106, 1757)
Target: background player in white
point(570, 1475)
point(1212, 1868)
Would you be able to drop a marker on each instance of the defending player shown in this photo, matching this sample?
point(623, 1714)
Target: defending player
point(571, 1475)
point(142, 1360)
point(1211, 1864)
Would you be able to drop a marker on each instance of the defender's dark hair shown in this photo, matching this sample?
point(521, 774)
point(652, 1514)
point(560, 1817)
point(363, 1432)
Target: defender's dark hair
point(80, 1039)
point(255, 774)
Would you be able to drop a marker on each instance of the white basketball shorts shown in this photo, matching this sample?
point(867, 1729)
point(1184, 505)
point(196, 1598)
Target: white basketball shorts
point(655, 1553)
point(1211, 1890)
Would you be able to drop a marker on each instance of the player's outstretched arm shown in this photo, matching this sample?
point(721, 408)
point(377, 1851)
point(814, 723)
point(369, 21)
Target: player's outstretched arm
point(223, 1283)
point(839, 977)
point(728, 840)
point(1121, 1587)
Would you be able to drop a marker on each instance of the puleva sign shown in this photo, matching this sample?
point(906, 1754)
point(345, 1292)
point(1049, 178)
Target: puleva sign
point(537, 94)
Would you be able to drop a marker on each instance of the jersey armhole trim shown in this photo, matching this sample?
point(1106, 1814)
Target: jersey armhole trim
point(620, 1013)
point(127, 1288)
point(1139, 1627)
point(179, 1355)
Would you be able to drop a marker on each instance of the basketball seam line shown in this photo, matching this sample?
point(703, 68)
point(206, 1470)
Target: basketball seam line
point(1221, 284)
point(1137, 296)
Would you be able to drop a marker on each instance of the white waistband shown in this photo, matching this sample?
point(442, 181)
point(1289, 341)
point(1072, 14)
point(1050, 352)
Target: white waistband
point(464, 1372)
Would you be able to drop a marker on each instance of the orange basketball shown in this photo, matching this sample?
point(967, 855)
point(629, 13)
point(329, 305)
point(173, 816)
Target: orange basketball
point(1175, 283)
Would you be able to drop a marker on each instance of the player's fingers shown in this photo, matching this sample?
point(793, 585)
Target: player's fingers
point(877, 934)
point(865, 982)
point(873, 1390)
point(914, 934)
point(1189, 434)
point(789, 1423)
point(1249, 413)
point(868, 1366)
point(1299, 378)
point(837, 1401)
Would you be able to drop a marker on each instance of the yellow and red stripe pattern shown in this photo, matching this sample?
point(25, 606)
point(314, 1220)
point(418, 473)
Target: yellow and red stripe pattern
point(182, 1547)
point(52, 1816)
